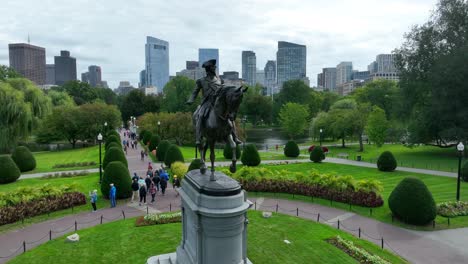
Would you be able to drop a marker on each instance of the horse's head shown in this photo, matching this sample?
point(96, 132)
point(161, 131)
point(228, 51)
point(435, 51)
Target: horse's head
point(234, 98)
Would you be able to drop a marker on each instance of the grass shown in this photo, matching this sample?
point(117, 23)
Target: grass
point(122, 242)
point(189, 154)
point(442, 188)
point(46, 160)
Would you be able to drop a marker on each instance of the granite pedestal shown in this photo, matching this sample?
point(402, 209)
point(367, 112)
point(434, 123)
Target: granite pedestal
point(214, 222)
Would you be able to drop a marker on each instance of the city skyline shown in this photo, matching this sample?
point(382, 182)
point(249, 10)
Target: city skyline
point(92, 38)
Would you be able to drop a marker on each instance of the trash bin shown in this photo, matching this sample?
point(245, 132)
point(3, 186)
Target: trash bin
point(358, 158)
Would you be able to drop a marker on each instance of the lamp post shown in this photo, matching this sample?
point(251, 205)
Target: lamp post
point(99, 138)
point(159, 128)
point(321, 130)
point(105, 128)
point(460, 148)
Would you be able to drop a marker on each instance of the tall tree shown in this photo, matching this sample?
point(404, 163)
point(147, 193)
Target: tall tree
point(7, 73)
point(60, 98)
point(377, 126)
point(293, 119)
point(81, 92)
point(382, 93)
point(176, 93)
point(256, 106)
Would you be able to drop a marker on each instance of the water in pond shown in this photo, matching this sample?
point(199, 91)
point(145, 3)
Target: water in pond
point(270, 137)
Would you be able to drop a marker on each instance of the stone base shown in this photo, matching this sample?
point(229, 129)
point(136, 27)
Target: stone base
point(171, 258)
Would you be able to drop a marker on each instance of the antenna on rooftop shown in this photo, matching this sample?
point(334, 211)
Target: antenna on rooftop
point(29, 41)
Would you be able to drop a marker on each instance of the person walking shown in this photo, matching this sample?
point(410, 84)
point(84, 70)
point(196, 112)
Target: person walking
point(156, 179)
point(136, 144)
point(163, 182)
point(135, 177)
point(142, 154)
point(125, 149)
point(148, 181)
point(176, 184)
point(112, 195)
point(152, 191)
point(150, 167)
point(135, 189)
point(142, 193)
point(93, 196)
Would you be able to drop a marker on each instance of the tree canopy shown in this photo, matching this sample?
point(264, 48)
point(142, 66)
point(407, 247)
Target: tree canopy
point(293, 119)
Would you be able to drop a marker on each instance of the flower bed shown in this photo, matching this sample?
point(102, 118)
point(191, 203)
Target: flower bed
point(65, 174)
point(452, 209)
point(31, 201)
point(332, 187)
point(75, 164)
point(157, 219)
point(359, 254)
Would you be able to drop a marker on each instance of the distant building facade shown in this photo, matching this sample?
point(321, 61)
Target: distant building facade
point(361, 75)
point(230, 75)
point(384, 68)
point(29, 61)
point(193, 74)
point(260, 78)
point(349, 87)
point(85, 77)
point(320, 80)
point(65, 68)
point(329, 79)
point(94, 75)
point(270, 77)
point(191, 65)
point(124, 88)
point(209, 54)
point(344, 72)
point(142, 82)
point(291, 62)
point(249, 67)
point(50, 74)
point(157, 62)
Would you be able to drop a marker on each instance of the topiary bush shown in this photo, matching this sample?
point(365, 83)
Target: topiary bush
point(113, 144)
point(24, 159)
point(9, 170)
point(162, 149)
point(114, 154)
point(317, 155)
point(112, 132)
point(180, 169)
point(147, 138)
point(386, 162)
point(250, 156)
point(227, 153)
point(291, 149)
point(117, 173)
point(112, 138)
point(154, 142)
point(412, 202)
point(173, 154)
point(142, 134)
point(464, 171)
point(195, 164)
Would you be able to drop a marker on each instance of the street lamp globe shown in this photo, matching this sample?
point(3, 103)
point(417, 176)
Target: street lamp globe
point(105, 123)
point(460, 147)
point(321, 130)
point(159, 123)
point(99, 137)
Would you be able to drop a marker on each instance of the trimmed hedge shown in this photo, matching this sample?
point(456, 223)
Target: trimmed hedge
point(412, 202)
point(162, 149)
point(154, 142)
point(180, 169)
point(250, 156)
point(9, 170)
point(113, 144)
point(24, 159)
point(114, 154)
point(142, 134)
point(117, 173)
point(227, 152)
point(147, 138)
point(112, 138)
point(386, 162)
point(195, 164)
point(317, 155)
point(112, 132)
point(464, 172)
point(291, 149)
point(173, 154)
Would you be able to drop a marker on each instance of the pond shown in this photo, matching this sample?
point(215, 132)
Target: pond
point(270, 137)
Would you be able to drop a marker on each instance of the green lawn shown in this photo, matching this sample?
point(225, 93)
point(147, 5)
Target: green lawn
point(189, 154)
point(122, 242)
point(442, 188)
point(45, 161)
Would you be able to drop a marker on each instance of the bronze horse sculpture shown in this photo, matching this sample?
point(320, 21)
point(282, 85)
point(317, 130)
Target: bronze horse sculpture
point(217, 126)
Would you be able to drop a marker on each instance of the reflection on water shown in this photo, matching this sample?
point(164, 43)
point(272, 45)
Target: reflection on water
point(270, 137)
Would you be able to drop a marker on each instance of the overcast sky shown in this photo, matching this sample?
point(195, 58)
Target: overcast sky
point(112, 33)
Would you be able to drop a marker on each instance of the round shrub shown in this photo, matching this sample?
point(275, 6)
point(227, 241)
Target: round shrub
point(291, 149)
point(195, 164)
point(142, 134)
point(112, 132)
point(227, 153)
point(114, 154)
point(24, 159)
point(464, 172)
point(154, 142)
point(173, 154)
point(162, 149)
point(112, 138)
point(317, 155)
point(9, 171)
point(117, 173)
point(412, 202)
point(386, 162)
point(147, 138)
point(113, 144)
point(180, 169)
point(250, 156)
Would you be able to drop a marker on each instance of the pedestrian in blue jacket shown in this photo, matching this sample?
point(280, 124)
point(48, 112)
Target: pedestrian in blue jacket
point(112, 195)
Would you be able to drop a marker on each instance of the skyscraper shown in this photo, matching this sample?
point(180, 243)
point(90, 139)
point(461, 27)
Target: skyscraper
point(270, 77)
point(85, 77)
point(329, 79)
point(320, 80)
point(384, 68)
point(50, 74)
point(249, 67)
point(95, 75)
point(157, 63)
point(142, 82)
point(191, 65)
point(65, 68)
point(29, 61)
point(209, 54)
point(291, 62)
point(260, 77)
point(344, 72)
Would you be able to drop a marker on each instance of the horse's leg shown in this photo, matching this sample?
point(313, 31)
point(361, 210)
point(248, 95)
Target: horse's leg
point(212, 158)
point(233, 145)
point(202, 150)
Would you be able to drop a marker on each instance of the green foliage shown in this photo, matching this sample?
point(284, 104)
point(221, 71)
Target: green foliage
point(195, 164)
point(24, 159)
point(296, 91)
point(227, 152)
point(369, 185)
point(142, 134)
point(136, 103)
point(180, 169)
point(81, 92)
point(377, 126)
point(114, 154)
point(117, 173)
point(112, 139)
point(176, 92)
point(113, 144)
point(147, 138)
point(162, 149)
point(113, 132)
point(173, 154)
point(412, 202)
point(7, 73)
point(59, 98)
point(154, 142)
point(256, 106)
point(452, 209)
point(464, 171)
point(386, 161)
point(317, 155)
point(291, 149)
point(293, 119)
point(250, 156)
point(173, 126)
point(384, 94)
point(9, 171)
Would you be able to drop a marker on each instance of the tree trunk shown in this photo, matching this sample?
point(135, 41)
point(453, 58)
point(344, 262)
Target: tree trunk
point(342, 142)
point(361, 146)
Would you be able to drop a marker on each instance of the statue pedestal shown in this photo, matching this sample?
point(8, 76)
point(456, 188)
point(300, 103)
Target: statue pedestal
point(214, 222)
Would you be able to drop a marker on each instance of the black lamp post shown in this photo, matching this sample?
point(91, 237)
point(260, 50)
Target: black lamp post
point(105, 128)
point(460, 148)
point(244, 120)
point(159, 128)
point(99, 138)
point(321, 130)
